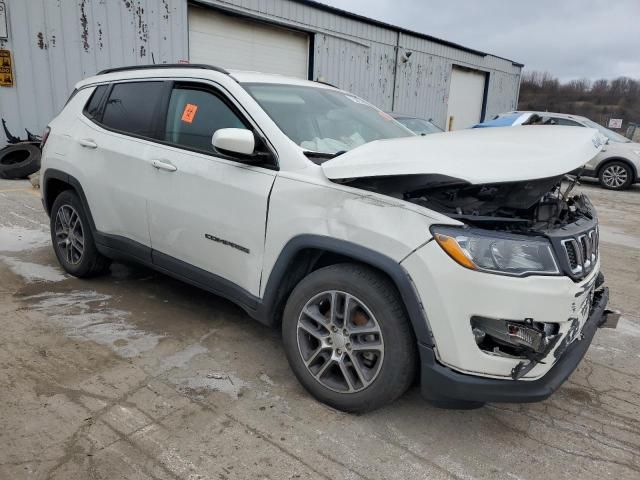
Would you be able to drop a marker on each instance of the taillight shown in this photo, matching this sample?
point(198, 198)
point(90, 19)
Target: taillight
point(45, 136)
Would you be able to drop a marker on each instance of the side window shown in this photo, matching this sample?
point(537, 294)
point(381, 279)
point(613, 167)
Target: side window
point(131, 107)
point(92, 109)
point(566, 122)
point(193, 117)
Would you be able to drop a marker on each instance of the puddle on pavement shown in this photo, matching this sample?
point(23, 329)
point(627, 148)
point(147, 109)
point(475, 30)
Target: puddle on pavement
point(33, 272)
point(19, 239)
point(84, 314)
point(195, 382)
point(205, 381)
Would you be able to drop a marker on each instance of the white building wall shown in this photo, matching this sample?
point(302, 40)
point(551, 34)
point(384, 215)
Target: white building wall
point(55, 43)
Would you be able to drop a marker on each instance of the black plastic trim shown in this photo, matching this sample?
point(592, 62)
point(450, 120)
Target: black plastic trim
point(392, 268)
point(206, 281)
point(441, 384)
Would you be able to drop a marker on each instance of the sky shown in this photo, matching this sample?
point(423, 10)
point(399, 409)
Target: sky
point(571, 39)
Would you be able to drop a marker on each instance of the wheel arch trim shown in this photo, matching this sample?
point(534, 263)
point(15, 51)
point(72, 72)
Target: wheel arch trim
point(396, 272)
point(54, 174)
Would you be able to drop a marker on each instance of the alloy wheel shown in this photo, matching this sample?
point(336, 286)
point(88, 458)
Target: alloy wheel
point(340, 341)
point(69, 234)
point(614, 176)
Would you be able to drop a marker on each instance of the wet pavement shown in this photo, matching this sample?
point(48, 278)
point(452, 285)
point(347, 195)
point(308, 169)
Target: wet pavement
point(135, 375)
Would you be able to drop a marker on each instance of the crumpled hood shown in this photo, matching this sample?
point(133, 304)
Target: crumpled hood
point(477, 156)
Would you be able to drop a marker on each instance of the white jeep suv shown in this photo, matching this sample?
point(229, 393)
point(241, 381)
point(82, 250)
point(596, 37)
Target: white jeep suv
point(459, 257)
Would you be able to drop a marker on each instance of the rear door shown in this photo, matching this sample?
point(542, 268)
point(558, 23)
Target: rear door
point(206, 210)
point(113, 138)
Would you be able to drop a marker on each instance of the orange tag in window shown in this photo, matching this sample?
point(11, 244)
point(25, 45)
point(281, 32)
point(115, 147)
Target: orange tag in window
point(189, 112)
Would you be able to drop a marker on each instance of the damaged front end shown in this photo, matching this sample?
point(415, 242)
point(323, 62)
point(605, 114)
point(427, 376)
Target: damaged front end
point(523, 228)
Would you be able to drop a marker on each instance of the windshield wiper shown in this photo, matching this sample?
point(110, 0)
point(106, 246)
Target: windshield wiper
point(321, 157)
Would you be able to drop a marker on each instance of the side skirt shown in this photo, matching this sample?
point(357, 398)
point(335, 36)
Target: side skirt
point(121, 248)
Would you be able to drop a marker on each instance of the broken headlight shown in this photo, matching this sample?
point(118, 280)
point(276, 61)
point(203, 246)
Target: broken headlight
point(495, 252)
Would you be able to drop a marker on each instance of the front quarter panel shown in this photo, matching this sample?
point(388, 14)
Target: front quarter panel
point(300, 206)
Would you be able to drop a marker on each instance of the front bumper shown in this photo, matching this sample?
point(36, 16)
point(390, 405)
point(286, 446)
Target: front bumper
point(442, 385)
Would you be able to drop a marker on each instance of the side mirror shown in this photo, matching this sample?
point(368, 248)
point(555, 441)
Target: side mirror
point(234, 141)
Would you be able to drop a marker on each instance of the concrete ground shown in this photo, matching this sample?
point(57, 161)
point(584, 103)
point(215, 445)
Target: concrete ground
point(135, 375)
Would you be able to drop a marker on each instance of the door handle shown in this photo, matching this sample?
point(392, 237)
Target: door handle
point(164, 165)
point(87, 143)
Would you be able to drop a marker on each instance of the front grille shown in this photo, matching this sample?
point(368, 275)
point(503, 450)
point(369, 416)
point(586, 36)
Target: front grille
point(572, 255)
point(581, 252)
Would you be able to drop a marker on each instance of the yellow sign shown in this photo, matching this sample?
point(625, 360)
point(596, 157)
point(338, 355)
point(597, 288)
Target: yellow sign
point(6, 70)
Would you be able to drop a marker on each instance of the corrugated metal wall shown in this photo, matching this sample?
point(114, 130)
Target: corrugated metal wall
point(55, 43)
point(361, 57)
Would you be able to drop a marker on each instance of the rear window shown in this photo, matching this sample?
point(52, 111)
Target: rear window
point(92, 109)
point(131, 107)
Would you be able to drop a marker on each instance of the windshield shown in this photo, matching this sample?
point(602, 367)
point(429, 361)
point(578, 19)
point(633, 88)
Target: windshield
point(324, 120)
point(613, 136)
point(418, 125)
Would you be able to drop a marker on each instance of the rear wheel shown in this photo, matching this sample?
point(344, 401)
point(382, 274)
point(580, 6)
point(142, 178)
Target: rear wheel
point(616, 176)
point(347, 338)
point(72, 239)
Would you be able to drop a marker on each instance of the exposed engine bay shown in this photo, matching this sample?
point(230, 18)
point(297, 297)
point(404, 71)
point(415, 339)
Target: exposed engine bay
point(533, 206)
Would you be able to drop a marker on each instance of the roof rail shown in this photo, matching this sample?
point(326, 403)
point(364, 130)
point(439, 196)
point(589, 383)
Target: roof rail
point(164, 65)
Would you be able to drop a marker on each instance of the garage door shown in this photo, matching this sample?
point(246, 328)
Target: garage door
point(466, 96)
point(236, 43)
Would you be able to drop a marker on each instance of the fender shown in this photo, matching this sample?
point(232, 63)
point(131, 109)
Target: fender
point(393, 269)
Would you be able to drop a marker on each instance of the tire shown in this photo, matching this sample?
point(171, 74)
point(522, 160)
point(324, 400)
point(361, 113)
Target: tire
point(385, 372)
point(72, 238)
point(19, 161)
point(616, 175)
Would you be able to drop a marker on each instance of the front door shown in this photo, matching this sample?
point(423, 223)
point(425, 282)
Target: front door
point(207, 211)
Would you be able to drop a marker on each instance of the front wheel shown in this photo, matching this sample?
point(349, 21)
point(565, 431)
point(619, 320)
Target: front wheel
point(348, 339)
point(616, 176)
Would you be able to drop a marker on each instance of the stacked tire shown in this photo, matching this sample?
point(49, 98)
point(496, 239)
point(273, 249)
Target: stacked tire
point(19, 160)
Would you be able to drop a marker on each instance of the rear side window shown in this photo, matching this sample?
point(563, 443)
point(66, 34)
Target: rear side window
point(565, 122)
point(193, 117)
point(131, 107)
point(92, 109)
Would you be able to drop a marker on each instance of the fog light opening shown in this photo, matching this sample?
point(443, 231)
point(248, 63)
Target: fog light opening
point(526, 339)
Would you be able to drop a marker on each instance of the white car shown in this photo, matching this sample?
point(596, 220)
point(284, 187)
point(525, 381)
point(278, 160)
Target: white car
point(459, 257)
point(617, 166)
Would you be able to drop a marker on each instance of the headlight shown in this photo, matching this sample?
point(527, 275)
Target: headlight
point(501, 253)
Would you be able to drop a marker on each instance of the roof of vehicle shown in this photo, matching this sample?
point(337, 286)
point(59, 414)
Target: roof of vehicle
point(246, 76)
point(502, 120)
point(193, 71)
point(545, 114)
